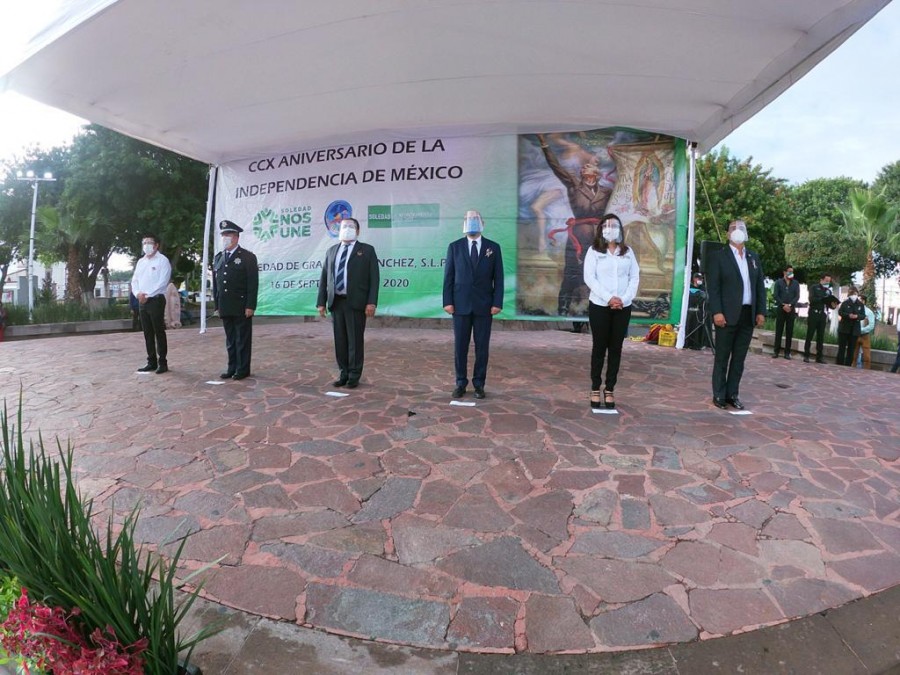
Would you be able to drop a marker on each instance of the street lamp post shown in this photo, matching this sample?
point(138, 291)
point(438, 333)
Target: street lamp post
point(35, 180)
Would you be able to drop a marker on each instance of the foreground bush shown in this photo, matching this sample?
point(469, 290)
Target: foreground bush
point(108, 588)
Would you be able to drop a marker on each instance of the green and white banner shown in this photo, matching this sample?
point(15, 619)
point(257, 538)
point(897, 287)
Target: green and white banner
point(410, 195)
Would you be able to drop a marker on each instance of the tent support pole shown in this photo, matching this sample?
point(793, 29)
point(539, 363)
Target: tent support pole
point(689, 252)
point(207, 227)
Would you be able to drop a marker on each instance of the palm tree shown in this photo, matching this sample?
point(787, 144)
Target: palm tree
point(870, 218)
point(70, 233)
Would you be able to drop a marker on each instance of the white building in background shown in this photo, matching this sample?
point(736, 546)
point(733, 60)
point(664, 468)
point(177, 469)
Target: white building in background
point(15, 290)
point(887, 292)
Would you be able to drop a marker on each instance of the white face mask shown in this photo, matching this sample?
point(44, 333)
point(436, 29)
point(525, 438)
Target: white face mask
point(149, 249)
point(737, 236)
point(227, 242)
point(853, 298)
point(611, 233)
point(348, 233)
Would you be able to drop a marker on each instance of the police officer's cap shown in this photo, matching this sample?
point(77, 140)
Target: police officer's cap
point(228, 226)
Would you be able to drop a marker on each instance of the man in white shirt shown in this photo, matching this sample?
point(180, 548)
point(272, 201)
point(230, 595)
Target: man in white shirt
point(151, 276)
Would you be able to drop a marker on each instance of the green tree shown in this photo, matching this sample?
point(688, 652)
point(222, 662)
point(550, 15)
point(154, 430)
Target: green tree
point(887, 183)
point(871, 219)
point(16, 199)
point(820, 251)
point(128, 188)
point(817, 203)
point(75, 237)
point(732, 189)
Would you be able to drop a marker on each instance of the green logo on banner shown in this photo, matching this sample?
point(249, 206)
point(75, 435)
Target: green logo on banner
point(405, 215)
point(379, 216)
point(292, 221)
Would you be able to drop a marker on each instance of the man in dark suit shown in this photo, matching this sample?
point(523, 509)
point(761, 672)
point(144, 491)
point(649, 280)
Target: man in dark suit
point(473, 294)
point(235, 289)
point(851, 313)
point(737, 302)
point(348, 287)
point(787, 295)
point(820, 300)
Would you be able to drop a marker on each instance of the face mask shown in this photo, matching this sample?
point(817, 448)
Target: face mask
point(790, 275)
point(348, 233)
point(853, 298)
point(611, 233)
point(738, 236)
point(148, 249)
point(227, 241)
point(473, 225)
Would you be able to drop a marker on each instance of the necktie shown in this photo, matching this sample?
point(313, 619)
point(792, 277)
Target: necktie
point(339, 279)
point(474, 255)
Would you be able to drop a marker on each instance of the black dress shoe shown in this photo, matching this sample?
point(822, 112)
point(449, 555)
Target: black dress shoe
point(148, 368)
point(479, 392)
point(820, 359)
point(163, 368)
point(775, 355)
point(226, 376)
point(735, 403)
point(719, 402)
point(340, 383)
point(805, 359)
point(352, 384)
point(459, 392)
point(787, 357)
point(240, 376)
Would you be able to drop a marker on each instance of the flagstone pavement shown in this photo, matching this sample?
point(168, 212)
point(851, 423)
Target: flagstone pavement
point(523, 523)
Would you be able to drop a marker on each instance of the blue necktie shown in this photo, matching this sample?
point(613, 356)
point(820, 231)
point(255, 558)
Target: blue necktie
point(342, 269)
point(474, 255)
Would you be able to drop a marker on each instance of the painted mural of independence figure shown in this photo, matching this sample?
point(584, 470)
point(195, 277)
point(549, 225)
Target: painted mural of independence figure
point(588, 199)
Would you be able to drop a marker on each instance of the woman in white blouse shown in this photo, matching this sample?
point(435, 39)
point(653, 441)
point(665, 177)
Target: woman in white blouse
point(611, 273)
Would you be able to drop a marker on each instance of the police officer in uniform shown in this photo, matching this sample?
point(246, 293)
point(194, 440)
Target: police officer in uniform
point(820, 296)
point(235, 287)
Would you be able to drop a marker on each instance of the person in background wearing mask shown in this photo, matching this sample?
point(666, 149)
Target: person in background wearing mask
point(851, 313)
point(473, 294)
point(819, 297)
point(348, 287)
point(865, 332)
point(787, 295)
point(737, 302)
point(235, 290)
point(148, 283)
point(611, 272)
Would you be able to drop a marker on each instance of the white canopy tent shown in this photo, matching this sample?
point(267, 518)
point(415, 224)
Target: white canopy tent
point(229, 79)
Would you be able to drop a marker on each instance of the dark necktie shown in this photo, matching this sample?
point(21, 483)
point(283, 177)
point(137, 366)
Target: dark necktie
point(474, 255)
point(339, 279)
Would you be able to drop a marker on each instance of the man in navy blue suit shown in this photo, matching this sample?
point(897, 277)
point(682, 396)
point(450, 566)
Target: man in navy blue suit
point(737, 301)
point(473, 294)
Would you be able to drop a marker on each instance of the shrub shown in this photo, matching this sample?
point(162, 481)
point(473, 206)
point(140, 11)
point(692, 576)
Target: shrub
point(106, 584)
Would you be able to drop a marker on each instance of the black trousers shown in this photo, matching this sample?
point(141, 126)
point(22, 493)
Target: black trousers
point(608, 330)
point(815, 324)
point(153, 323)
point(464, 326)
point(846, 342)
point(238, 343)
point(349, 330)
point(784, 323)
point(732, 343)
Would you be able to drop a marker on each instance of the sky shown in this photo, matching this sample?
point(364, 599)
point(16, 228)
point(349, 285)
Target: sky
point(841, 119)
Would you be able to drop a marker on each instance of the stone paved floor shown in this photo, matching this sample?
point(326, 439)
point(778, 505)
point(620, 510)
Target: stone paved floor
point(523, 524)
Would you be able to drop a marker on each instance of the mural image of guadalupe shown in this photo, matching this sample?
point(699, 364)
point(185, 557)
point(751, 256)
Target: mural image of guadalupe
point(567, 182)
